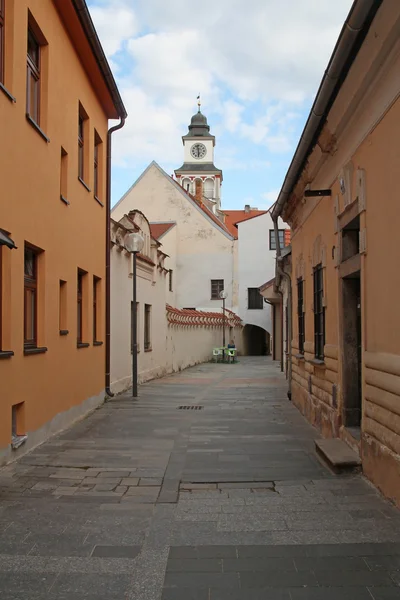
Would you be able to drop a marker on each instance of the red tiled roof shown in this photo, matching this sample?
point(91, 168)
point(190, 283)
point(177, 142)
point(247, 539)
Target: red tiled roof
point(205, 209)
point(158, 229)
point(237, 216)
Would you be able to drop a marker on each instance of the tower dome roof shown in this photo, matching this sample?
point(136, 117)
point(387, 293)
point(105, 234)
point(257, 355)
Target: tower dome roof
point(198, 126)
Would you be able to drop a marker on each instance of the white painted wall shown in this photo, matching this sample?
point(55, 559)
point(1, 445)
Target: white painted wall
point(151, 290)
point(173, 347)
point(256, 265)
point(204, 251)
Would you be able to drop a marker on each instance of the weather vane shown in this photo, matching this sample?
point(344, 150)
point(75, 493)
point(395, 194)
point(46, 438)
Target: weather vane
point(198, 101)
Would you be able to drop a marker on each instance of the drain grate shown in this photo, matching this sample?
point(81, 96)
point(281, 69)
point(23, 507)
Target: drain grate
point(192, 407)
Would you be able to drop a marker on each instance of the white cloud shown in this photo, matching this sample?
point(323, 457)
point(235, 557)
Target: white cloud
point(115, 22)
point(254, 63)
point(269, 198)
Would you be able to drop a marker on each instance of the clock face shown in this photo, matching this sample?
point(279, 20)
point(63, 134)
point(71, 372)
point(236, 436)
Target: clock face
point(198, 150)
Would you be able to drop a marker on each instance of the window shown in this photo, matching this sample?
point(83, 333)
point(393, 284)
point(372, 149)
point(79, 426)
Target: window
point(33, 78)
point(272, 241)
point(64, 176)
point(254, 298)
point(170, 274)
point(147, 327)
point(300, 314)
point(319, 313)
point(96, 292)
point(81, 162)
point(81, 308)
point(30, 298)
point(2, 42)
point(63, 308)
point(217, 286)
point(1, 298)
point(97, 166)
point(83, 147)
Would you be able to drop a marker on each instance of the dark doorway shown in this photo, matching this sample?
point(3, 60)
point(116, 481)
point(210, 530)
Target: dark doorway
point(352, 352)
point(256, 341)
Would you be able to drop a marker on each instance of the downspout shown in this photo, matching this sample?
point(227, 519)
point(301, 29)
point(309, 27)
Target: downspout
point(289, 282)
point(108, 250)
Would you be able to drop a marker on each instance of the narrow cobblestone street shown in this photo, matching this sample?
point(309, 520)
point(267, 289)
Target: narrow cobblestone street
point(225, 499)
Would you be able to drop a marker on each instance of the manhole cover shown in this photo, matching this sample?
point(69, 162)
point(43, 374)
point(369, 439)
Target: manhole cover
point(192, 407)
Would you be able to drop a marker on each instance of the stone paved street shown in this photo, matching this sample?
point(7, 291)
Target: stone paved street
point(147, 499)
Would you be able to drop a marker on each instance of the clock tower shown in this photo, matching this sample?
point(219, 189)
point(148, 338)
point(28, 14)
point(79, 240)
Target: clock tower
point(198, 174)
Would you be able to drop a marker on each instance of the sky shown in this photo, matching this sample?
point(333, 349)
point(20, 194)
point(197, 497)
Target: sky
point(256, 63)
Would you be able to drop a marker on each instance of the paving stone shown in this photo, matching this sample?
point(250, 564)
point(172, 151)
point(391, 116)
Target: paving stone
point(383, 593)
point(352, 578)
point(116, 551)
point(59, 545)
point(201, 580)
point(186, 594)
point(280, 579)
point(258, 564)
point(330, 593)
point(104, 586)
point(101, 480)
point(130, 481)
point(150, 482)
point(331, 563)
point(202, 565)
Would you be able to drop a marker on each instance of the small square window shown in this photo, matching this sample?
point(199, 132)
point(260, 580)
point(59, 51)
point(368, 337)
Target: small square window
point(217, 286)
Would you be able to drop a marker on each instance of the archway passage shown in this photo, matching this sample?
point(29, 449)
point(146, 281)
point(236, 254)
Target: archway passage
point(256, 341)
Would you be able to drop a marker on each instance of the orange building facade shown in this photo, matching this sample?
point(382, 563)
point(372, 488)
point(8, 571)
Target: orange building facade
point(56, 96)
point(341, 199)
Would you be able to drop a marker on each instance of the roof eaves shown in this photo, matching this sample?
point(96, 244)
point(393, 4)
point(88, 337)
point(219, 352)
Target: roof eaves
point(85, 19)
point(351, 38)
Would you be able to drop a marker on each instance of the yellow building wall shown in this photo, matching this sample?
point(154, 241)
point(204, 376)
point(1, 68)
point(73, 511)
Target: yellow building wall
point(31, 210)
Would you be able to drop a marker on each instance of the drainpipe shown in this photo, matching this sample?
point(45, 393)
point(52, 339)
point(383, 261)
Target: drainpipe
point(289, 283)
point(108, 242)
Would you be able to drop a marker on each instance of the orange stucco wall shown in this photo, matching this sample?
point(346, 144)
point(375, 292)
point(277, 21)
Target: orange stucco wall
point(71, 236)
point(315, 238)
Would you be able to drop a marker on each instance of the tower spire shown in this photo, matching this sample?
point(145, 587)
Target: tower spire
point(199, 101)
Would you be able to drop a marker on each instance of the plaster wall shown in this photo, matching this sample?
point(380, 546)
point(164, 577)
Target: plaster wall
point(62, 383)
point(204, 252)
point(256, 265)
point(365, 141)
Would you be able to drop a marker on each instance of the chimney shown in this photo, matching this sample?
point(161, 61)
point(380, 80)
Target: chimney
point(247, 208)
point(198, 190)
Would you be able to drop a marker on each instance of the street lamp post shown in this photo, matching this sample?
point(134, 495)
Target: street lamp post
point(223, 295)
point(134, 243)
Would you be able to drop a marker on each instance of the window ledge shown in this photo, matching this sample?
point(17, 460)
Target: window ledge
point(64, 199)
point(99, 201)
point(7, 93)
point(41, 350)
point(299, 356)
point(17, 441)
point(317, 362)
point(148, 349)
point(64, 332)
point(82, 345)
point(36, 126)
point(84, 184)
point(6, 353)
point(96, 343)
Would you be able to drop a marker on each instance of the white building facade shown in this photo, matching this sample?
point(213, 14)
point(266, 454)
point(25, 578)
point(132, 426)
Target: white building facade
point(256, 264)
point(207, 251)
point(169, 339)
point(204, 248)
